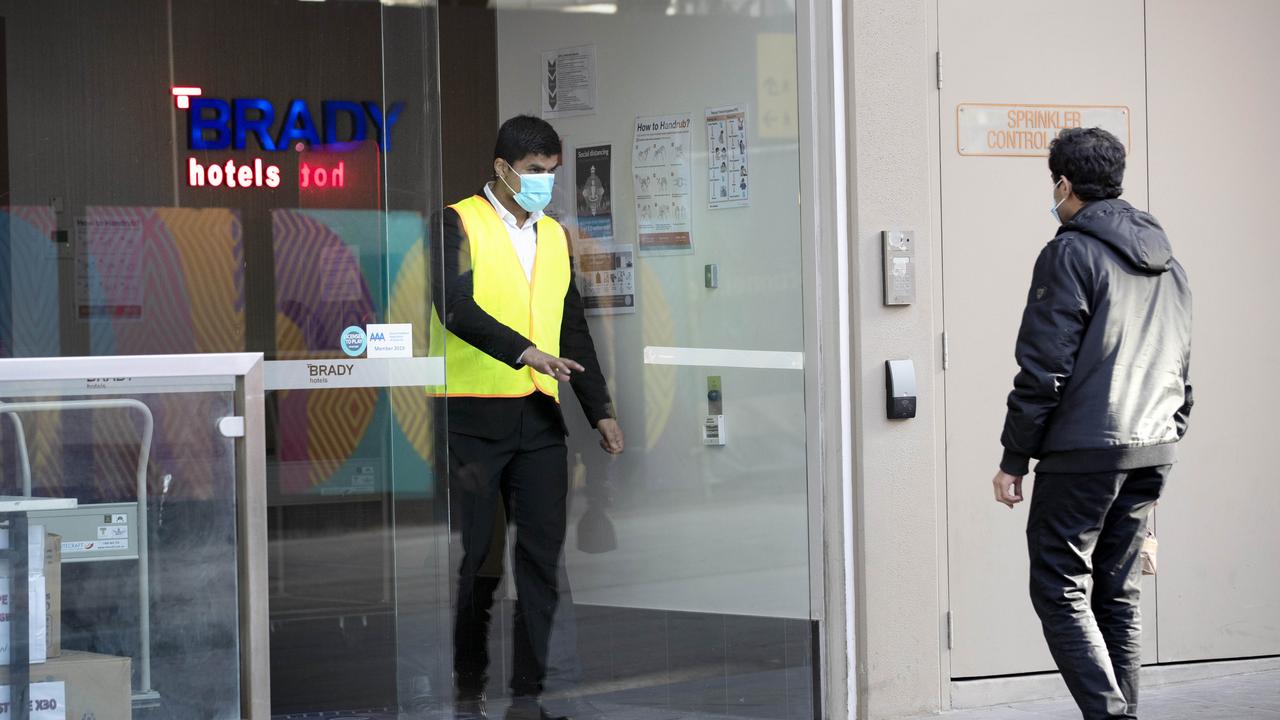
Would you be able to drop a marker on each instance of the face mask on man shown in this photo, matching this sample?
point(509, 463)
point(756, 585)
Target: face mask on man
point(535, 190)
point(1054, 210)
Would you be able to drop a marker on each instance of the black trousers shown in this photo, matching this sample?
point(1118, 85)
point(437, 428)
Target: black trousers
point(527, 473)
point(1086, 531)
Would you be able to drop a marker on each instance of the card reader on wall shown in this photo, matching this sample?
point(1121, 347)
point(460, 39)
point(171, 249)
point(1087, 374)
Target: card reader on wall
point(900, 388)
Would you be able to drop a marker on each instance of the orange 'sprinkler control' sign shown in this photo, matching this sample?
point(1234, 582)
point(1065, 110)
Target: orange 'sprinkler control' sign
point(1007, 130)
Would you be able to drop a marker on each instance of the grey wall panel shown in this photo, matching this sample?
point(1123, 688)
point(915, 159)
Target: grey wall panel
point(1213, 102)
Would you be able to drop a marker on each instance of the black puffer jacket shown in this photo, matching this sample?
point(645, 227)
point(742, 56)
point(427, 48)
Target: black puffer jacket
point(1103, 350)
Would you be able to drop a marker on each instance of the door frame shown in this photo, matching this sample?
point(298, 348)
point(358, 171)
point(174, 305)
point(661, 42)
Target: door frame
point(823, 135)
point(940, 416)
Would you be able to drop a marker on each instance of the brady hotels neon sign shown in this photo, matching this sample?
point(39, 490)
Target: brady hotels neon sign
point(215, 124)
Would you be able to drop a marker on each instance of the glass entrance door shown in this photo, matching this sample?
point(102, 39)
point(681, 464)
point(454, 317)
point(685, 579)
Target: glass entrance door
point(683, 585)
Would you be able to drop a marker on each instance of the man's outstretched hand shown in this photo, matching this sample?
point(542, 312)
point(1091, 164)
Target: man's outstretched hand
point(559, 369)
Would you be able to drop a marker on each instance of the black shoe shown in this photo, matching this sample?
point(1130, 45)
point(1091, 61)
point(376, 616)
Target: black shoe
point(470, 708)
point(527, 708)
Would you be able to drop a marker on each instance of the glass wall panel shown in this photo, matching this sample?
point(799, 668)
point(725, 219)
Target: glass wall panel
point(192, 176)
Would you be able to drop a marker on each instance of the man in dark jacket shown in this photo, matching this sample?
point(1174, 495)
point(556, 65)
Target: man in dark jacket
point(1101, 399)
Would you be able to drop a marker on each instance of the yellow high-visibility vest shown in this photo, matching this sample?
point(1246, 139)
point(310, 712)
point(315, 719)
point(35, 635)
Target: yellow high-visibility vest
point(532, 307)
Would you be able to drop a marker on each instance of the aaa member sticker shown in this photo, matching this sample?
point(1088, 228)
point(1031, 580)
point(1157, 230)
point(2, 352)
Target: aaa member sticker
point(354, 341)
point(391, 340)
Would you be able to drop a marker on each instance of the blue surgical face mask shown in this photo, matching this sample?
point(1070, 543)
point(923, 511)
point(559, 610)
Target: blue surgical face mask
point(1054, 210)
point(535, 190)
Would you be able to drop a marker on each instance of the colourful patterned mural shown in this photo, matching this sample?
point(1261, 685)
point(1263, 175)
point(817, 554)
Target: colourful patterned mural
point(334, 269)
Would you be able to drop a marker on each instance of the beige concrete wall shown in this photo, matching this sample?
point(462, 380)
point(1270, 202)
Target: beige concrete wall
point(898, 567)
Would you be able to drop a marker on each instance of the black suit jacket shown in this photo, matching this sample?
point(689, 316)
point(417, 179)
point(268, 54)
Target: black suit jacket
point(451, 291)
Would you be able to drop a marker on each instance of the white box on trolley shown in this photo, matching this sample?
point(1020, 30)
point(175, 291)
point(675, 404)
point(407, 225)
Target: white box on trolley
point(38, 620)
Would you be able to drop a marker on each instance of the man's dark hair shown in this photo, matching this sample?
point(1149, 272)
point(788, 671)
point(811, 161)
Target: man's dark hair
point(1092, 159)
point(525, 135)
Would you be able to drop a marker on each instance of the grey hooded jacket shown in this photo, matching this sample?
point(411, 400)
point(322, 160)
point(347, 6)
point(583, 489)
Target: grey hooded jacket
point(1104, 349)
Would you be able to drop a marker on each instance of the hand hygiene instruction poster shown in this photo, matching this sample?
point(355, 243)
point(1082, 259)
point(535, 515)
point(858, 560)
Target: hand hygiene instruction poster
point(727, 157)
point(661, 167)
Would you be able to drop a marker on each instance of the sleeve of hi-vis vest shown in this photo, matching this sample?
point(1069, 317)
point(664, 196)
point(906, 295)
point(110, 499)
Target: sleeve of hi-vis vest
point(576, 344)
point(452, 294)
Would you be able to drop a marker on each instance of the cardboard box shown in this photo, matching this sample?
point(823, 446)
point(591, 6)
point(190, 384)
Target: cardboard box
point(48, 701)
point(96, 687)
point(53, 594)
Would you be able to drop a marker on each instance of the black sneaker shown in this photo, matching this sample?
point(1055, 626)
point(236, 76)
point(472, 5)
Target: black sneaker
point(527, 708)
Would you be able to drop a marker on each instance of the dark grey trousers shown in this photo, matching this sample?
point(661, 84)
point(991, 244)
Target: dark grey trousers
point(1086, 531)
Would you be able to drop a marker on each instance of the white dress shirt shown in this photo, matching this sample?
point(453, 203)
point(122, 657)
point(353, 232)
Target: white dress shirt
point(523, 239)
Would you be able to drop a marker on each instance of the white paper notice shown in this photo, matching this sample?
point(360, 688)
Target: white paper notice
point(48, 701)
point(109, 268)
point(569, 82)
point(390, 340)
point(607, 280)
point(37, 619)
point(660, 163)
point(727, 157)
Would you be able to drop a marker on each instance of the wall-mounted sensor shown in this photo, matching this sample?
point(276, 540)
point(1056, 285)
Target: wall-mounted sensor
point(900, 388)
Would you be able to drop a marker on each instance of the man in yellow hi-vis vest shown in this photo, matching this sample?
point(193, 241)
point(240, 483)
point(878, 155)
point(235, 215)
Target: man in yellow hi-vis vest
point(513, 326)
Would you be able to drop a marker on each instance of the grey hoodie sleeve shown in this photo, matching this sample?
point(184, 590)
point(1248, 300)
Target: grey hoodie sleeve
point(1053, 323)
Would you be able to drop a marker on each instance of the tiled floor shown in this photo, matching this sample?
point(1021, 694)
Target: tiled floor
point(1253, 696)
point(1236, 697)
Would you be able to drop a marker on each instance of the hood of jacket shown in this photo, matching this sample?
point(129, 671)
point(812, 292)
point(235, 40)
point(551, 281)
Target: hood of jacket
point(1135, 235)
